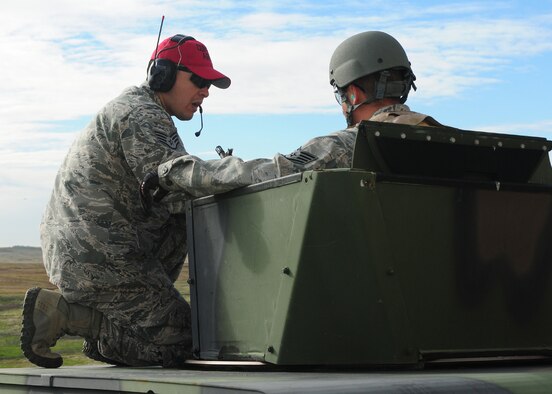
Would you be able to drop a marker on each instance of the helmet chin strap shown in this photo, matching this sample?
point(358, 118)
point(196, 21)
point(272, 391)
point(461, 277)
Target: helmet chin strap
point(349, 113)
point(351, 108)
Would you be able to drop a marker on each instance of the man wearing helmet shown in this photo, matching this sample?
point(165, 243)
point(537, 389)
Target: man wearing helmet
point(371, 77)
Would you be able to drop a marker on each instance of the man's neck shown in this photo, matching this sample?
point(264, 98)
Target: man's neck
point(365, 112)
point(161, 98)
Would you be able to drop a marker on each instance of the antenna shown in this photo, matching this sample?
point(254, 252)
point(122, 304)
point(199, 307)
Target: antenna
point(159, 35)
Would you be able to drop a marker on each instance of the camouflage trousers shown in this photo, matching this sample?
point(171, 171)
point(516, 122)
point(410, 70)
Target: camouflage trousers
point(151, 327)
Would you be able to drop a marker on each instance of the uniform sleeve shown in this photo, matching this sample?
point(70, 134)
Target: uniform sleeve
point(198, 178)
point(330, 151)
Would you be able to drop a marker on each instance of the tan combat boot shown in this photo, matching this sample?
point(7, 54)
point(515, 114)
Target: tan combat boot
point(46, 318)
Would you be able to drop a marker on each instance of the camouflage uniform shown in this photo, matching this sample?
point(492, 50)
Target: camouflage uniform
point(103, 251)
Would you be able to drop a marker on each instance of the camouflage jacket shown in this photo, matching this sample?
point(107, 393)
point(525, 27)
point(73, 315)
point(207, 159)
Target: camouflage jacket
point(96, 239)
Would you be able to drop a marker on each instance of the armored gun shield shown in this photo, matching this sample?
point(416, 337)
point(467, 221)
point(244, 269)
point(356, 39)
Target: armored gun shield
point(437, 244)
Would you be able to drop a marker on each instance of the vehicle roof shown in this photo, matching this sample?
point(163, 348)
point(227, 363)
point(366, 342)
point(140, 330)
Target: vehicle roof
point(535, 378)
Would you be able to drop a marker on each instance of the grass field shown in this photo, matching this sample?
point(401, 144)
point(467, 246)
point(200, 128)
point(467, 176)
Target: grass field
point(15, 279)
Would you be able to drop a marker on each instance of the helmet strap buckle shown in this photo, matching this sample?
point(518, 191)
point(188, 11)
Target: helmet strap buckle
point(381, 85)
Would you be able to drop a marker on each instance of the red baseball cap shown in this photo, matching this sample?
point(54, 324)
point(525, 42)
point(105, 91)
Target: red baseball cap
point(188, 52)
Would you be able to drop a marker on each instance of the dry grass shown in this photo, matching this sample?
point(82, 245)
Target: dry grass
point(16, 278)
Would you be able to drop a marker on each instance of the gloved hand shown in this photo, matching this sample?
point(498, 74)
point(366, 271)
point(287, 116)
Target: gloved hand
point(222, 154)
point(151, 191)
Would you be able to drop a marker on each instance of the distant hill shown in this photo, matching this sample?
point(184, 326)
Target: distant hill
point(21, 254)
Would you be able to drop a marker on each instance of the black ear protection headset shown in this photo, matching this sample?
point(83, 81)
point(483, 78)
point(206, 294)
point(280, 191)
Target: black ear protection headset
point(162, 72)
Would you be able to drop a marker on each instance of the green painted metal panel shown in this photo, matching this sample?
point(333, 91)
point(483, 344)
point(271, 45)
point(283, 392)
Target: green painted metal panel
point(381, 264)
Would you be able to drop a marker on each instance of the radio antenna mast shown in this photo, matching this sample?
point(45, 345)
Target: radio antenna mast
point(159, 35)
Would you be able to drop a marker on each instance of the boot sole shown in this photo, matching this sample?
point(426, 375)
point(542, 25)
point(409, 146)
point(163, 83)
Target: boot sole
point(28, 330)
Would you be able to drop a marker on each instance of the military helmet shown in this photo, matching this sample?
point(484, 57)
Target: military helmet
point(363, 54)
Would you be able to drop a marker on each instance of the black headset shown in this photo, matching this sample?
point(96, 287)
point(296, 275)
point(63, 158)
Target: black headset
point(162, 72)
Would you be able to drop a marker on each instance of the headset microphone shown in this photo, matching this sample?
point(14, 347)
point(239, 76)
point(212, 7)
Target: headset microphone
point(197, 133)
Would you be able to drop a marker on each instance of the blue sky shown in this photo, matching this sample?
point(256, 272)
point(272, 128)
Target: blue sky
point(481, 65)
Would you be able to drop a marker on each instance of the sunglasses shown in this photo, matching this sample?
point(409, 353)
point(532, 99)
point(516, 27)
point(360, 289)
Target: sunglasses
point(341, 93)
point(199, 82)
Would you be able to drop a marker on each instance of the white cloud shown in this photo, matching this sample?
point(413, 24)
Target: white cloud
point(542, 128)
point(278, 62)
point(63, 59)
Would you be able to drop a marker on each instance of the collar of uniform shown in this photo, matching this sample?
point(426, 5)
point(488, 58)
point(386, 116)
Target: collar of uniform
point(392, 108)
point(151, 93)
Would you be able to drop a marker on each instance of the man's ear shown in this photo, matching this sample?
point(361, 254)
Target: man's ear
point(354, 94)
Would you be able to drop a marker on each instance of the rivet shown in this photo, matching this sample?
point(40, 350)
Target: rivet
point(403, 136)
point(476, 142)
point(452, 139)
point(369, 183)
point(499, 143)
point(270, 349)
point(286, 271)
point(428, 138)
point(522, 146)
point(377, 133)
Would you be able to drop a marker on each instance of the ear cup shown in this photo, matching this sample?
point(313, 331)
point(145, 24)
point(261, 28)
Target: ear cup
point(162, 75)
